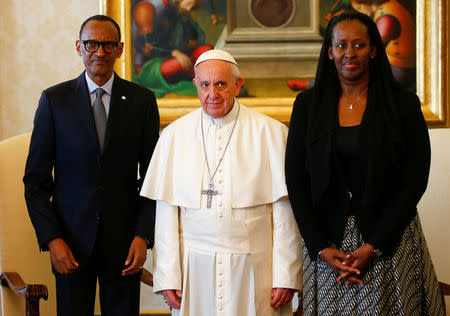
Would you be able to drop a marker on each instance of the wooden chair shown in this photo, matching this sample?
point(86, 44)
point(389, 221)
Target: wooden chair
point(445, 291)
point(20, 258)
point(32, 293)
point(147, 277)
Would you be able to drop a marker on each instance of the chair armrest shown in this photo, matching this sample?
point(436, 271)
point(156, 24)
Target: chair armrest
point(31, 292)
point(445, 288)
point(18, 286)
point(147, 277)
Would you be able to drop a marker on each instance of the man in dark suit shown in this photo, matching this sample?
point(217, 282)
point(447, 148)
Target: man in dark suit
point(96, 133)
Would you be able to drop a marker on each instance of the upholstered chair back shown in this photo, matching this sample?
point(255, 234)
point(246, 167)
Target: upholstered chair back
point(19, 250)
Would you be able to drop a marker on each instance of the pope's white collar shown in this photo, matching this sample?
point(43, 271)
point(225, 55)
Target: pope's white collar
point(229, 117)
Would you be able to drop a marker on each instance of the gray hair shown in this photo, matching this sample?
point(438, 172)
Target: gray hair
point(234, 71)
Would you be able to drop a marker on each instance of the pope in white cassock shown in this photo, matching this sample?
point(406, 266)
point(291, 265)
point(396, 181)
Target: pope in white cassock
point(226, 241)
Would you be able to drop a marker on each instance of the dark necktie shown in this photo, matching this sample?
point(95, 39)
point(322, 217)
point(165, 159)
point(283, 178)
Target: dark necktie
point(100, 117)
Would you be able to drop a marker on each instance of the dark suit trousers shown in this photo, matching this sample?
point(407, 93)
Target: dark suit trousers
point(119, 296)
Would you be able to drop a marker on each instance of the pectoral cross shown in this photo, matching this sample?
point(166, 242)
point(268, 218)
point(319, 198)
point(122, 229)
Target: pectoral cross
point(210, 192)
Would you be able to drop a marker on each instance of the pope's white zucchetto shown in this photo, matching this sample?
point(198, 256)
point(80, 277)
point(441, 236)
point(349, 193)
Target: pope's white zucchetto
point(215, 54)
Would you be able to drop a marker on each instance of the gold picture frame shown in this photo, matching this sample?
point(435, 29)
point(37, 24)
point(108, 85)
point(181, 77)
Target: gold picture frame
point(433, 66)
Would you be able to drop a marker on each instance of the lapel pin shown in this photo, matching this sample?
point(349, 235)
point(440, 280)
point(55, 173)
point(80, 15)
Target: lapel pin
point(124, 97)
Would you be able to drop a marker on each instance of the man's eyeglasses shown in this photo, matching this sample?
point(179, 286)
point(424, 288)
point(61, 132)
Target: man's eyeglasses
point(93, 46)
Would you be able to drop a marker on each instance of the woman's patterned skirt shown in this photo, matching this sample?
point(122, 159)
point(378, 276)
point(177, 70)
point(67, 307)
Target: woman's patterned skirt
point(402, 284)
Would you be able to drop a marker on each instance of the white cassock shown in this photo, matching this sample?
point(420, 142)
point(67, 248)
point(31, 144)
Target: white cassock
point(226, 259)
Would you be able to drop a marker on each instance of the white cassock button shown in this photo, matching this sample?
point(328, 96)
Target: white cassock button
point(220, 308)
point(220, 216)
point(220, 204)
point(219, 137)
point(220, 181)
point(220, 170)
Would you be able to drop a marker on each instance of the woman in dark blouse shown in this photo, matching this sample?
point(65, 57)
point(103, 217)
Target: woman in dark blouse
point(357, 164)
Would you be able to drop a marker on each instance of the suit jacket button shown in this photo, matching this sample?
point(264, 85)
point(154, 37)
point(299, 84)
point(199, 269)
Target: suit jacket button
point(349, 195)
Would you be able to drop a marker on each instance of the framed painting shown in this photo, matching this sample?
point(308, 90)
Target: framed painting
point(273, 51)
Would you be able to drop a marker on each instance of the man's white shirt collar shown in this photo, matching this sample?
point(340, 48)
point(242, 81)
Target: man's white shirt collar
point(106, 98)
point(92, 86)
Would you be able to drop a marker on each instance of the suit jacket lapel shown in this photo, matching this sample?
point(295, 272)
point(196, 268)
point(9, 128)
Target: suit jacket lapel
point(84, 110)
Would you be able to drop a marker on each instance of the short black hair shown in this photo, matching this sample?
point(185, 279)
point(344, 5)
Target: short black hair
point(100, 17)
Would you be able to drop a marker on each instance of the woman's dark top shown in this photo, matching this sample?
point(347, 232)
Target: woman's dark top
point(394, 173)
point(348, 148)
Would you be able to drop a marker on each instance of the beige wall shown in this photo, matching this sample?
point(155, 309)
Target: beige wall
point(37, 49)
point(434, 208)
